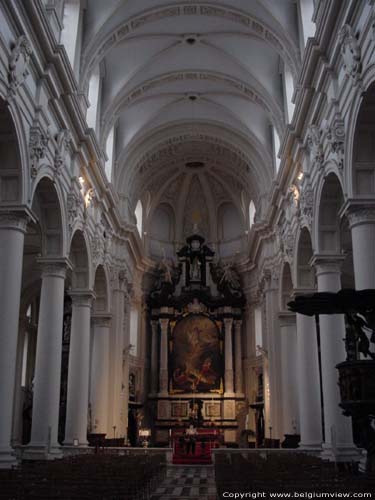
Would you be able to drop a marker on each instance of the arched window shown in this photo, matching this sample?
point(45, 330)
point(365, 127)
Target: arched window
point(252, 211)
point(139, 216)
point(109, 148)
point(94, 90)
point(276, 147)
point(307, 26)
point(71, 33)
point(288, 93)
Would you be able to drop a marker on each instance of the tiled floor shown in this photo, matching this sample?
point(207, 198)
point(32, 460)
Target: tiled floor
point(187, 482)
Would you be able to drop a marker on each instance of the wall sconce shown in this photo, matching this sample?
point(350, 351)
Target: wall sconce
point(300, 176)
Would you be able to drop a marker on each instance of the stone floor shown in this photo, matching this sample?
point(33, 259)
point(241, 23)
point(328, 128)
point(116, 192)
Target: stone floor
point(187, 482)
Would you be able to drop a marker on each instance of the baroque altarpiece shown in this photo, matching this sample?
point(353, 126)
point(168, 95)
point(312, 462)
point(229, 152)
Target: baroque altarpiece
point(196, 311)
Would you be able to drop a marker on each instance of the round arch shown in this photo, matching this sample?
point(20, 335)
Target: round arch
point(79, 255)
point(47, 205)
point(329, 200)
point(101, 290)
point(14, 161)
point(286, 286)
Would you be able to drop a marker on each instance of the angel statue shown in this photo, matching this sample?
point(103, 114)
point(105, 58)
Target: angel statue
point(226, 278)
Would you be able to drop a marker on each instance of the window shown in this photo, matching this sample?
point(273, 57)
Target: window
point(276, 147)
point(94, 88)
point(252, 211)
point(139, 217)
point(109, 151)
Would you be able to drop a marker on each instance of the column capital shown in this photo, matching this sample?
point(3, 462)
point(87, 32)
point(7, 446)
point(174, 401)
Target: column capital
point(228, 322)
point(102, 319)
point(238, 325)
point(302, 291)
point(154, 325)
point(359, 212)
point(16, 218)
point(287, 318)
point(327, 263)
point(82, 297)
point(164, 322)
point(52, 266)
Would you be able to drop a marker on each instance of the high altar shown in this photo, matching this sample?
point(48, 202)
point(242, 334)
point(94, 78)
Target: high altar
point(196, 375)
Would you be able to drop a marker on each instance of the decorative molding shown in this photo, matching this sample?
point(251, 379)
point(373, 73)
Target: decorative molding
point(358, 215)
point(19, 64)
point(351, 53)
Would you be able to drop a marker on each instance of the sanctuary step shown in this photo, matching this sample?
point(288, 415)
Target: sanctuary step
point(187, 482)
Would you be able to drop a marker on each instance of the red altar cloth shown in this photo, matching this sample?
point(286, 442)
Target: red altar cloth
point(205, 441)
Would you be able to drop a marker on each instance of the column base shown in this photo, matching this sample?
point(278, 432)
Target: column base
point(348, 453)
point(229, 394)
point(70, 443)
point(8, 459)
point(40, 452)
point(317, 447)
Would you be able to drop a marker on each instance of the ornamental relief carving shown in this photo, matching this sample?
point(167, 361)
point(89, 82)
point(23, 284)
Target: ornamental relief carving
point(307, 206)
point(38, 144)
point(62, 139)
point(75, 206)
point(19, 64)
point(335, 139)
point(351, 53)
point(315, 146)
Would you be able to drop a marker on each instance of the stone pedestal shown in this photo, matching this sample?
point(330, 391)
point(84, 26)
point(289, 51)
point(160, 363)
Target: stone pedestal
point(48, 361)
point(79, 368)
point(12, 232)
point(338, 444)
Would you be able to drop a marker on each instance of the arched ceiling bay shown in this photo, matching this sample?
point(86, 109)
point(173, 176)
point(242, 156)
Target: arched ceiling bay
point(206, 75)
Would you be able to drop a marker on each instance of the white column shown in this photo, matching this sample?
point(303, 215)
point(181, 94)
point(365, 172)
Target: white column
point(47, 380)
point(238, 356)
point(163, 375)
point(100, 373)
point(78, 369)
point(116, 348)
point(289, 381)
point(12, 232)
point(154, 357)
point(308, 383)
point(125, 370)
point(229, 388)
point(338, 443)
point(362, 225)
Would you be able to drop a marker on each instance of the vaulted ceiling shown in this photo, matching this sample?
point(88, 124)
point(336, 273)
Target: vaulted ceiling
point(187, 82)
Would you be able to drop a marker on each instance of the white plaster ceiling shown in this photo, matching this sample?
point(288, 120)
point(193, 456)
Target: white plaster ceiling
point(232, 68)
